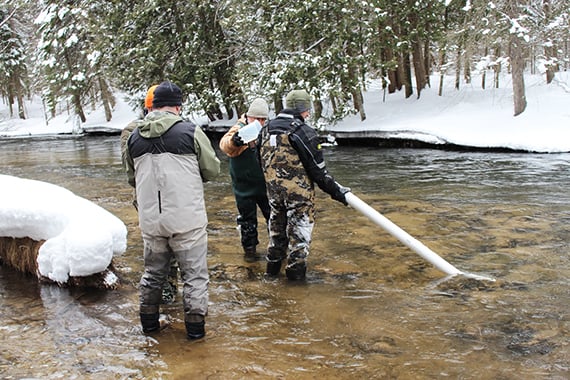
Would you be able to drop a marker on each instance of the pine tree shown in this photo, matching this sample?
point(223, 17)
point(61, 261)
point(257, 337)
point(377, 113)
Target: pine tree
point(318, 46)
point(14, 82)
point(223, 53)
point(68, 56)
point(183, 42)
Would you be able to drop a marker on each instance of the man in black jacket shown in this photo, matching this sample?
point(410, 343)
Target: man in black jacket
point(292, 162)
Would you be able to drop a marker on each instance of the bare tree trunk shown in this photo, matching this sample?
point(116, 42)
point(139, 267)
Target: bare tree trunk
point(11, 106)
point(394, 81)
point(21, 109)
point(458, 68)
point(467, 68)
point(484, 73)
point(18, 94)
point(318, 107)
point(353, 85)
point(496, 70)
point(427, 63)
point(419, 68)
point(106, 98)
point(441, 71)
point(278, 102)
point(549, 74)
point(392, 74)
point(551, 51)
point(400, 76)
point(359, 103)
point(443, 55)
point(407, 70)
point(517, 63)
point(79, 108)
point(213, 109)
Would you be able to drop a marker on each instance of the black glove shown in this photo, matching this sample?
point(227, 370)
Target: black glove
point(339, 194)
point(237, 140)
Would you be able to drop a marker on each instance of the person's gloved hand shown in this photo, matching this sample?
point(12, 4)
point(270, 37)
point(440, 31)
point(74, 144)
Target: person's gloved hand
point(340, 194)
point(237, 140)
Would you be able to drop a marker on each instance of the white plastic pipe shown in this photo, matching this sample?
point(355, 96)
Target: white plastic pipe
point(402, 235)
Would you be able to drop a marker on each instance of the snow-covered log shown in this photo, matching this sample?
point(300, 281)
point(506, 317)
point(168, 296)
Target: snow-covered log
point(49, 231)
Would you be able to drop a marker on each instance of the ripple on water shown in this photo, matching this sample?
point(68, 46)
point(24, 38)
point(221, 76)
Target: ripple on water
point(369, 308)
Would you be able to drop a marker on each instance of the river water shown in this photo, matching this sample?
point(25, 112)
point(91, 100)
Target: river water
point(370, 308)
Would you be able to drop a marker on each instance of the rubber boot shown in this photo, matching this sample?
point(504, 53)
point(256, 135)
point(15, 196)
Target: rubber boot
point(195, 326)
point(273, 268)
point(250, 254)
point(150, 322)
point(249, 239)
point(296, 271)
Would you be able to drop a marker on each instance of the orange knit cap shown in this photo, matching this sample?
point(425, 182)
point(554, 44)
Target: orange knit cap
point(149, 97)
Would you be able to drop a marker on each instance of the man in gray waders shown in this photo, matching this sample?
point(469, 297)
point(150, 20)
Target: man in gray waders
point(168, 159)
point(293, 162)
point(170, 287)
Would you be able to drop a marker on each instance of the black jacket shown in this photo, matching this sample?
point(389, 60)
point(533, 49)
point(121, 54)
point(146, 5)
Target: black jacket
point(306, 142)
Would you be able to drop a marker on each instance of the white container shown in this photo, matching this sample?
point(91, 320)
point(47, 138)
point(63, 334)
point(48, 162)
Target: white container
point(250, 131)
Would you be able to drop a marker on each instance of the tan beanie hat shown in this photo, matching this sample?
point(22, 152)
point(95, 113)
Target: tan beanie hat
point(258, 109)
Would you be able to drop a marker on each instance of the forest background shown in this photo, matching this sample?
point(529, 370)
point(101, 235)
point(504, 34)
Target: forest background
point(77, 54)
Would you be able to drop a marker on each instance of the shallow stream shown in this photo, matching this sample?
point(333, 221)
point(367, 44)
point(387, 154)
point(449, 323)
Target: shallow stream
point(371, 307)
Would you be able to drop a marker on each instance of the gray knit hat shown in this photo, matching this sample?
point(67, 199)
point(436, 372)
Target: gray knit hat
point(258, 109)
point(299, 100)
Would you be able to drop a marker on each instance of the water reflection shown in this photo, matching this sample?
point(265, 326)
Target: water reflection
point(50, 332)
point(370, 308)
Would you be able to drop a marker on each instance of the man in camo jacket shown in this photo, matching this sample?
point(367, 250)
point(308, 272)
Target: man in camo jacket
point(292, 162)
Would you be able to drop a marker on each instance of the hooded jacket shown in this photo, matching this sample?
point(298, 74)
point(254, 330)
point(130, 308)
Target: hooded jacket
point(167, 161)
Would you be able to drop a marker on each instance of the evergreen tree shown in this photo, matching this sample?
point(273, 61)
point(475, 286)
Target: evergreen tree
point(68, 58)
point(13, 57)
point(223, 53)
point(182, 42)
point(318, 46)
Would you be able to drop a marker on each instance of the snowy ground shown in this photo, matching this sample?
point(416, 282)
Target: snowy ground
point(475, 117)
point(470, 116)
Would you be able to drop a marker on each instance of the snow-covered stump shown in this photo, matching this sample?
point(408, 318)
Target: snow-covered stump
point(21, 254)
point(48, 231)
